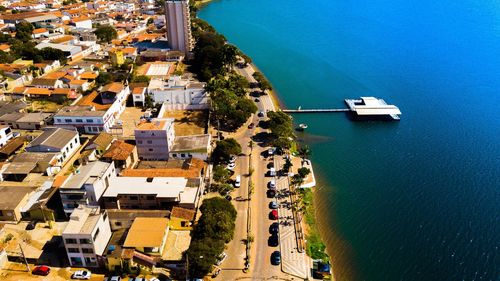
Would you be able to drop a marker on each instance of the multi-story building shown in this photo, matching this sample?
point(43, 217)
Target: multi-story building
point(86, 236)
point(95, 112)
point(61, 141)
point(87, 185)
point(158, 193)
point(179, 25)
point(154, 139)
point(179, 94)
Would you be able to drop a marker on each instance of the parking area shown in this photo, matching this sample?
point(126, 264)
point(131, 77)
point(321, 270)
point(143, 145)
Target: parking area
point(18, 271)
point(188, 122)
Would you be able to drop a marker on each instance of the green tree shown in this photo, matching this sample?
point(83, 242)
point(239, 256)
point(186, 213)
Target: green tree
point(24, 31)
point(202, 254)
point(280, 124)
point(303, 172)
point(220, 174)
point(53, 54)
point(263, 82)
point(224, 149)
point(104, 78)
point(106, 33)
point(247, 60)
point(304, 151)
point(3, 9)
point(141, 78)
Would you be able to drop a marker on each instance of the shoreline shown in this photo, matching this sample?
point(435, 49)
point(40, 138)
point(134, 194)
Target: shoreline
point(309, 225)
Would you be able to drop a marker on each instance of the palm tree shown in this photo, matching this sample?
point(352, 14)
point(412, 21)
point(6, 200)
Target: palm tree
point(304, 152)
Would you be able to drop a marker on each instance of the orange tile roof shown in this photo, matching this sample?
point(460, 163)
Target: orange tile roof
point(59, 180)
point(193, 172)
point(115, 87)
point(178, 212)
point(62, 91)
point(88, 75)
point(39, 30)
point(138, 90)
point(78, 82)
point(38, 91)
point(63, 39)
point(18, 90)
point(55, 75)
point(155, 125)
point(4, 47)
point(89, 100)
point(78, 19)
point(119, 150)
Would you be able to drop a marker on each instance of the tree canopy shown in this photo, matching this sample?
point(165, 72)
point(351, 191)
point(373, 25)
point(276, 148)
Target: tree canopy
point(106, 33)
point(224, 149)
point(24, 30)
point(214, 229)
point(281, 127)
point(263, 82)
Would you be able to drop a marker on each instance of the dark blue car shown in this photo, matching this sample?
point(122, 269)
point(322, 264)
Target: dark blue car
point(276, 258)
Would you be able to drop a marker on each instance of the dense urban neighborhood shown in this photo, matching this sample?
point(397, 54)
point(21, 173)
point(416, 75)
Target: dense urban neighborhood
point(137, 144)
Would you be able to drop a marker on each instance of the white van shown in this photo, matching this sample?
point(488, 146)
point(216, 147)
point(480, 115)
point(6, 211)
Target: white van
point(237, 182)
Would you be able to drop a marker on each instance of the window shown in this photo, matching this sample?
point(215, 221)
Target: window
point(79, 120)
point(71, 145)
point(58, 120)
point(96, 233)
point(139, 142)
point(183, 155)
point(76, 140)
point(67, 120)
point(73, 250)
point(70, 241)
point(150, 197)
point(174, 155)
point(150, 149)
point(149, 142)
point(118, 223)
point(89, 120)
point(85, 241)
point(134, 198)
point(104, 216)
point(87, 251)
point(94, 129)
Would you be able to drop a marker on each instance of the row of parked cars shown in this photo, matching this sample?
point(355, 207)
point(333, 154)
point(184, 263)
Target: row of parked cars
point(274, 229)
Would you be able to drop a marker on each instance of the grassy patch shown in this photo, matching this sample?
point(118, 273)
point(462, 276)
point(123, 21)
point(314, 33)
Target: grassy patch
point(315, 248)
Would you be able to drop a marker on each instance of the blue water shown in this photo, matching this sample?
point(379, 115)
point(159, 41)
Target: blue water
point(414, 200)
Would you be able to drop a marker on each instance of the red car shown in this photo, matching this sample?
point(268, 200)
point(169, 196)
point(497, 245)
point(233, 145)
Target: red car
point(41, 270)
point(273, 215)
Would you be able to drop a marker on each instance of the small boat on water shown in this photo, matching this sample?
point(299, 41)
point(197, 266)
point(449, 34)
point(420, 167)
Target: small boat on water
point(302, 127)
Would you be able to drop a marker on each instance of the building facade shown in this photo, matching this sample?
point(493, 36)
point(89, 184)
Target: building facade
point(86, 237)
point(178, 25)
point(154, 139)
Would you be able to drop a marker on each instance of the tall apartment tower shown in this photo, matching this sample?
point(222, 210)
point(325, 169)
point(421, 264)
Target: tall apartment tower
point(178, 25)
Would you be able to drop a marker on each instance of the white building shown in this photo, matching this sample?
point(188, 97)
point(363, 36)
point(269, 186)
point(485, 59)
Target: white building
point(179, 94)
point(61, 141)
point(86, 236)
point(124, 7)
point(88, 120)
point(5, 135)
point(87, 185)
point(179, 25)
point(154, 139)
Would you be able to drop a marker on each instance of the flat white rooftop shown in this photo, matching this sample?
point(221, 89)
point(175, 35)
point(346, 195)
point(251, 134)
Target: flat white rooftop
point(372, 106)
point(163, 187)
point(158, 69)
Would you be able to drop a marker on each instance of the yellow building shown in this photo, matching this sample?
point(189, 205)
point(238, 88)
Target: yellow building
point(147, 235)
point(116, 57)
point(181, 219)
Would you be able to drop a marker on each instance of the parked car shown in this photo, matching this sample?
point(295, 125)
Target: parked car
point(271, 193)
point(229, 198)
point(271, 151)
point(138, 279)
point(113, 278)
point(237, 182)
point(81, 275)
point(232, 159)
point(154, 279)
point(273, 241)
point(273, 215)
point(276, 258)
point(231, 166)
point(251, 126)
point(31, 225)
point(274, 228)
point(261, 114)
point(273, 205)
point(41, 270)
point(271, 184)
point(272, 172)
point(221, 258)
point(256, 100)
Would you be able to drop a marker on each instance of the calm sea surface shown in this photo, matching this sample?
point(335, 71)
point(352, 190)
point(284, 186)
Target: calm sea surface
point(414, 200)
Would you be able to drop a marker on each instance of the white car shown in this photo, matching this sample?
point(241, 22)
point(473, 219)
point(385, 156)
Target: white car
point(113, 278)
point(237, 182)
point(232, 159)
point(81, 275)
point(221, 258)
point(154, 279)
point(271, 151)
point(231, 166)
